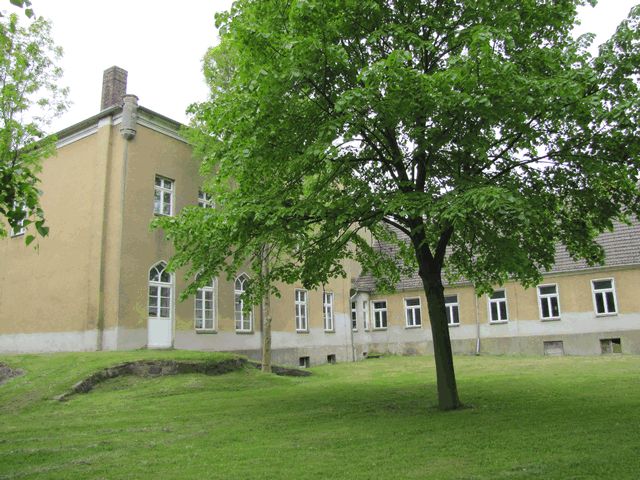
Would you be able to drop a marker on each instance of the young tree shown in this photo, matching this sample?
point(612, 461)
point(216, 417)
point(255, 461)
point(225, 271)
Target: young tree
point(483, 131)
point(29, 98)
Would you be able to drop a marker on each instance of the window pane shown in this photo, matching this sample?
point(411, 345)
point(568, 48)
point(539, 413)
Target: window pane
point(498, 294)
point(601, 284)
point(384, 318)
point(547, 289)
point(153, 291)
point(164, 312)
point(600, 303)
point(153, 311)
point(555, 309)
point(379, 305)
point(158, 181)
point(456, 316)
point(451, 299)
point(209, 323)
point(611, 304)
point(198, 322)
point(494, 311)
point(412, 301)
point(503, 310)
point(448, 312)
point(545, 307)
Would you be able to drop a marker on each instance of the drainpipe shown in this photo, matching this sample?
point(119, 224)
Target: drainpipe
point(350, 325)
point(475, 298)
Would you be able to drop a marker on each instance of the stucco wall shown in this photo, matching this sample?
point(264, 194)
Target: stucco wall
point(55, 288)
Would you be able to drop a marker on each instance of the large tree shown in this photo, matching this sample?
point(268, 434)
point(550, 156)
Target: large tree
point(30, 96)
point(481, 130)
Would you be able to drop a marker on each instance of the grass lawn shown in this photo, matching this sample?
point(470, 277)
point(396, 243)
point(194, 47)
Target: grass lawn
point(548, 418)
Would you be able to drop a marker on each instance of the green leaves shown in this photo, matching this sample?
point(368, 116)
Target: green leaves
point(29, 98)
point(482, 128)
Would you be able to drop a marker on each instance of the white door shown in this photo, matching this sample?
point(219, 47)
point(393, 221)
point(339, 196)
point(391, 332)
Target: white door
point(160, 320)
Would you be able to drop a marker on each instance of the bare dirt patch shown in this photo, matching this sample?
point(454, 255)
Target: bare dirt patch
point(6, 372)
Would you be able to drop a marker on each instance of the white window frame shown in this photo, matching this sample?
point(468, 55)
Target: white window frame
point(378, 315)
point(365, 315)
point(497, 301)
point(243, 318)
point(546, 298)
point(160, 191)
point(410, 319)
point(449, 307)
point(159, 285)
point(604, 291)
point(201, 294)
point(205, 200)
point(301, 311)
point(327, 311)
point(23, 229)
point(354, 315)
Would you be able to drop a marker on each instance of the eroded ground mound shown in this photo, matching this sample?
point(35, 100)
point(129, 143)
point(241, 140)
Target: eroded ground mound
point(6, 372)
point(155, 368)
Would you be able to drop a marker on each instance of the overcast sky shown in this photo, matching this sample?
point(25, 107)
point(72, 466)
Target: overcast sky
point(161, 44)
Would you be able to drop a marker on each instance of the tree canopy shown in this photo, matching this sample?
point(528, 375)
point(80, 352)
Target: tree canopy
point(30, 97)
point(482, 130)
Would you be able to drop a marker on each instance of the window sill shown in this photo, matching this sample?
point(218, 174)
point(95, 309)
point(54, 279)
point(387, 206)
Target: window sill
point(380, 329)
point(302, 331)
point(612, 314)
point(155, 214)
point(453, 324)
point(499, 322)
point(412, 326)
point(329, 331)
point(550, 319)
point(244, 332)
point(204, 332)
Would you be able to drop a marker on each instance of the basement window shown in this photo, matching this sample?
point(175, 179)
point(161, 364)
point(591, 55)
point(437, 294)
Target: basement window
point(331, 359)
point(610, 345)
point(554, 348)
point(304, 362)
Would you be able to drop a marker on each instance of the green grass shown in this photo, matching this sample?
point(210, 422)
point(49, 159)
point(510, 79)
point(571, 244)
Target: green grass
point(548, 418)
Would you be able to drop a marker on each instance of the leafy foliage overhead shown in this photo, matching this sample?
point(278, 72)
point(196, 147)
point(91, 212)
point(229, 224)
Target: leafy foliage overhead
point(30, 96)
point(479, 128)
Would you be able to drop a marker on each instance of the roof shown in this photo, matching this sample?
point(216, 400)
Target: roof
point(621, 248)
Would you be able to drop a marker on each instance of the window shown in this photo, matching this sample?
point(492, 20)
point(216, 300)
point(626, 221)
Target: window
point(380, 314)
point(549, 302)
point(159, 291)
point(21, 228)
point(610, 345)
point(412, 312)
point(327, 310)
point(205, 200)
point(304, 362)
point(553, 348)
point(205, 308)
point(365, 315)
point(301, 310)
point(244, 316)
point(604, 296)
point(163, 196)
point(498, 307)
point(331, 359)
point(452, 308)
point(354, 316)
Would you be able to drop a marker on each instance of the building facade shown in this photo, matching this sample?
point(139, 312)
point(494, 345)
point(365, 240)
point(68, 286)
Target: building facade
point(98, 281)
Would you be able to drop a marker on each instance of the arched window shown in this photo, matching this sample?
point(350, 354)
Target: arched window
point(205, 312)
point(244, 318)
point(159, 291)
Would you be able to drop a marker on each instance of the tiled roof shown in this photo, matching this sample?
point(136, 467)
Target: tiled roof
point(621, 247)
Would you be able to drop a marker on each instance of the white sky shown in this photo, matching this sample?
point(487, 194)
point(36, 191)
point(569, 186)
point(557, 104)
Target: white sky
point(161, 44)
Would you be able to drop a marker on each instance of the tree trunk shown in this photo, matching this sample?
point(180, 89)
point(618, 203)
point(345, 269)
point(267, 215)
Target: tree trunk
point(446, 377)
point(266, 319)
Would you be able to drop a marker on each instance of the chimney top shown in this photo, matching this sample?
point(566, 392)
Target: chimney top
point(114, 87)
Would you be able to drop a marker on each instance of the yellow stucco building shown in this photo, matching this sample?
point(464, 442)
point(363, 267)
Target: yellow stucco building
point(98, 281)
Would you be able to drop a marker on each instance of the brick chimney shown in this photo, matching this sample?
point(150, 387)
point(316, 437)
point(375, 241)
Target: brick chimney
point(114, 87)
